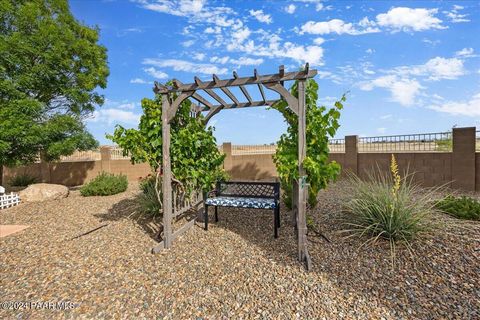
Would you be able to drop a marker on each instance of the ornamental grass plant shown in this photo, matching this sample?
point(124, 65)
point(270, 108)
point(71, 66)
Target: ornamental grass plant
point(149, 198)
point(22, 180)
point(388, 207)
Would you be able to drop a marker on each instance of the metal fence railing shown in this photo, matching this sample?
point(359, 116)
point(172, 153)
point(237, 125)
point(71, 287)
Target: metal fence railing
point(336, 145)
point(424, 142)
point(90, 155)
point(253, 149)
point(116, 153)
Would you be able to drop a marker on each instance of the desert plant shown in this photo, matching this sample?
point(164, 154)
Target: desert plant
point(22, 180)
point(460, 207)
point(105, 184)
point(388, 206)
point(149, 199)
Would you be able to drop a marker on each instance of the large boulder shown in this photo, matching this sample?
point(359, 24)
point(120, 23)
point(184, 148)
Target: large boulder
point(42, 192)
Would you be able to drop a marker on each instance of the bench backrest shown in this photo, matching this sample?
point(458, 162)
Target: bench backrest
point(249, 189)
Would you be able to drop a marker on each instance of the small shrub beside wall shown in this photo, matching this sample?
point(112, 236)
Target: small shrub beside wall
point(105, 184)
point(460, 207)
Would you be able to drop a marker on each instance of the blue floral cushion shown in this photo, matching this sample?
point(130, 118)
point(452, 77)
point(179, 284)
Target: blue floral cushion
point(257, 203)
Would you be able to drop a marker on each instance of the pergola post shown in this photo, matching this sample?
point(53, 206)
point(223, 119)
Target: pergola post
point(302, 178)
point(167, 174)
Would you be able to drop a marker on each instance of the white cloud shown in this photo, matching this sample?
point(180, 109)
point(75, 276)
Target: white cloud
point(431, 42)
point(381, 130)
point(199, 56)
point(290, 8)
point(408, 19)
point(242, 61)
point(241, 34)
point(435, 69)
point(318, 41)
point(260, 16)
point(270, 46)
point(319, 6)
point(339, 27)
point(186, 66)
point(140, 81)
point(196, 10)
point(221, 60)
point(466, 53)
point(215, 29)
point(368, 71)
point(128, 105)
point(386, 116)
point(188, 43)
point(404, 82)
point(370, 50)
point(115, 115)
point(469, 108)
point(403, 90)
point(456, 17)
point(175, 7)
point(156, 73)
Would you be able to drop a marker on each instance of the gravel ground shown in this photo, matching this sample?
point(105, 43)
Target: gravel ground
point(236, 269)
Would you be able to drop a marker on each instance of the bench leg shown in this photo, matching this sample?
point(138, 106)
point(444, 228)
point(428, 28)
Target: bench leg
point(205, 215)
point(216, 214)
point(278, 216)
point(275, 223)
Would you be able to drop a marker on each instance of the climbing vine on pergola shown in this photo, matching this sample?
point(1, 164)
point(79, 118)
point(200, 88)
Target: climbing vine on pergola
point(172, 97)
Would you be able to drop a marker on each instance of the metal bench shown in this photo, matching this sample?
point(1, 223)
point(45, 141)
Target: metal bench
point(240, 194)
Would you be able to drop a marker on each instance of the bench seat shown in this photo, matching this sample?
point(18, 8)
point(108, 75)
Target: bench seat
point(244, 194)
point(257, 203)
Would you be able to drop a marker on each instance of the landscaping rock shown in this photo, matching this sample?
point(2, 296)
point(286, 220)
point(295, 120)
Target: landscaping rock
point(43, 191)
point(235, 270)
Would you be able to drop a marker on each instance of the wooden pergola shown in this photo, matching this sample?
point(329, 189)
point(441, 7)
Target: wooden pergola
point(273, 82)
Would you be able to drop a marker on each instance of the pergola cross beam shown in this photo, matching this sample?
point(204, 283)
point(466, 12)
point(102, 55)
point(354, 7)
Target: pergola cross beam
point(236, 82)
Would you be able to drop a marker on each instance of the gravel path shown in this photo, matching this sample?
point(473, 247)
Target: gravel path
point(236, 269)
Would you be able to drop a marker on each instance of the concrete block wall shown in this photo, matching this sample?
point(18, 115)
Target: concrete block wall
point(76, 173)
point(459, 169)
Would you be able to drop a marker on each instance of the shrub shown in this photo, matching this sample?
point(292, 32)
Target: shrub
point(148, 200)
point(22, 180)
point(388, 207)
point(105, 184)
point(460, 207)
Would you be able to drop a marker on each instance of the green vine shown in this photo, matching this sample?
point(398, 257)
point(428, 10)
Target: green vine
point(322, 123)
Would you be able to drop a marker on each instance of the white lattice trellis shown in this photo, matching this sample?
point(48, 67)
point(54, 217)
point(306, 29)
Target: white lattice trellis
point(9, 200)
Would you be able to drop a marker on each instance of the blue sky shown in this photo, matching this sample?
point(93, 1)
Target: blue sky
point(409, 66)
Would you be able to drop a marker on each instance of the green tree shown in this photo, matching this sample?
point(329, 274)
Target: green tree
point(50, 66)
point(321, 124)
point(195, 159)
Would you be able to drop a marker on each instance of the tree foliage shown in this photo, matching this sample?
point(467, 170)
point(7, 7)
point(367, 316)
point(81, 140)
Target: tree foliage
point(320, 125)
point(50, 65)
point(195, 159)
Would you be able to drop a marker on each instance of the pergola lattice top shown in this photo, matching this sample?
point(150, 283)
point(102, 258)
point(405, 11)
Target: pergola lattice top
point(273, 82)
